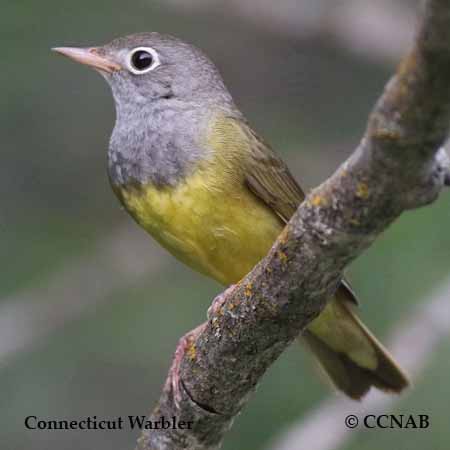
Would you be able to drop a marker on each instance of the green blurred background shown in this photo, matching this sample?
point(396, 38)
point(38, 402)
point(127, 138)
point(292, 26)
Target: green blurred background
point(90, 307)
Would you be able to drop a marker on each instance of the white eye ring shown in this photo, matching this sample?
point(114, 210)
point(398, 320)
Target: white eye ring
point(154, 60)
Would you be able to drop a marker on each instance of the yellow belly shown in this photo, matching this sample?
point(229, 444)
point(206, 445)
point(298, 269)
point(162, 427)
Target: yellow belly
point(219, 229)
point(223, 234)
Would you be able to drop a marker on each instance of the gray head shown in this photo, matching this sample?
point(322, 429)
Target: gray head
point(165, 90)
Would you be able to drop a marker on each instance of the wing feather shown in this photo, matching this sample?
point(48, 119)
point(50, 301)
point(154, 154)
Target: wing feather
point(267, 176)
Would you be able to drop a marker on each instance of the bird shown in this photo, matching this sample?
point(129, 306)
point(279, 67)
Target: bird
point(189, 168)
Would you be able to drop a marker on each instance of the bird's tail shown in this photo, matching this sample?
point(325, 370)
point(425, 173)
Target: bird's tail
point(349, 353)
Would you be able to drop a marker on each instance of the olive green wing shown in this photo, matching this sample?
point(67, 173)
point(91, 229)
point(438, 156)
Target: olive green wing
point(268, 177)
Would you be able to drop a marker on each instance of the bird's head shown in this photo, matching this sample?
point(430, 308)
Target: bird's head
point(148, 67)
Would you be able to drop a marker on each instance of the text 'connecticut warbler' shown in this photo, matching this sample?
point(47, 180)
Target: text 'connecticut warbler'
point(190, 170)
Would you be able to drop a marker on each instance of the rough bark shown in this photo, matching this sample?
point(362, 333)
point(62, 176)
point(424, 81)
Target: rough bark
point(399, 165)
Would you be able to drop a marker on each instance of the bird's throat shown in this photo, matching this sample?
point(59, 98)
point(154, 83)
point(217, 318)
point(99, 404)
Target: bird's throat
point(160, 146)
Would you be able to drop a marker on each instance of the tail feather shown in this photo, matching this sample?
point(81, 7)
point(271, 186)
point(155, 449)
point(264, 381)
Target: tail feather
point(340, 341)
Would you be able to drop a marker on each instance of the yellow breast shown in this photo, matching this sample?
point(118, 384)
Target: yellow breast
point(211, 222)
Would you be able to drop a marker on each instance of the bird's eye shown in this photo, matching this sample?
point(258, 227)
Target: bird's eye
point(142, 60)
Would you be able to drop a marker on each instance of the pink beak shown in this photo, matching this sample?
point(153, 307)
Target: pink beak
point(89, 57)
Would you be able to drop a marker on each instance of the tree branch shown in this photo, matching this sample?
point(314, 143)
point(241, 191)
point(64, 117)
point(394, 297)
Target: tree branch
point(399, 165)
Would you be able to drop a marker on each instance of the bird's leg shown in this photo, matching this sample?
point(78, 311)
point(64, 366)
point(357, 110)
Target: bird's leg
point(218, 302)
point(174, 378)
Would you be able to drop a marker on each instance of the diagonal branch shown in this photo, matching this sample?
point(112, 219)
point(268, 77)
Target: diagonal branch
point(399, 165)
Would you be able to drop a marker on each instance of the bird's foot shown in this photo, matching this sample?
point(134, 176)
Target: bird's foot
point(174, 377)
point(218, 302)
